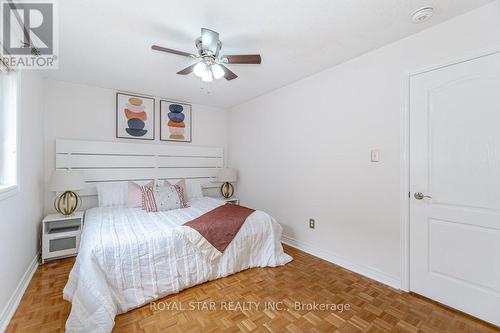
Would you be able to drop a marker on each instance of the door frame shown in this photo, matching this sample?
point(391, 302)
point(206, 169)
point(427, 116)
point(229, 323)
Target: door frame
point(405, 194)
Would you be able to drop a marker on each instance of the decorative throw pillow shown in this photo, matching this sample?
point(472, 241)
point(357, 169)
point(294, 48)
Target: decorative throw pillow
point(184, 193)
point(148, 199)
point(135, 194)
point(169, 197)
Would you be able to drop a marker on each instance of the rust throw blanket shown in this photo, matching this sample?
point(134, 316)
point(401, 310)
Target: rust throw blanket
point(220, 226)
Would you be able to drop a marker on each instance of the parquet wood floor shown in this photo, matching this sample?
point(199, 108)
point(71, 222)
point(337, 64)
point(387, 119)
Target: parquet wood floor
point(374, 307)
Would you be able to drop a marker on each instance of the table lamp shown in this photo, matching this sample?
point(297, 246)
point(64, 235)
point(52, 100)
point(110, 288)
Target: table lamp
point(66, 181)
point(226, 176)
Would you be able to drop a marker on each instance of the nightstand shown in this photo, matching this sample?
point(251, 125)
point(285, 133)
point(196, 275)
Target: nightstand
point(61, 235)
point(232, 201)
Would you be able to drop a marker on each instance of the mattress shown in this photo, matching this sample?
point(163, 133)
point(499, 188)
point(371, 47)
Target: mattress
point(128, 257)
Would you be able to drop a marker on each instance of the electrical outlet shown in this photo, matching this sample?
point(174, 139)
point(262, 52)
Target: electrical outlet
point(312, 223)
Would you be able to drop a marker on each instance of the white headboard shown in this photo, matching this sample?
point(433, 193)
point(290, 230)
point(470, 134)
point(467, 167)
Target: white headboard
point(102, 161)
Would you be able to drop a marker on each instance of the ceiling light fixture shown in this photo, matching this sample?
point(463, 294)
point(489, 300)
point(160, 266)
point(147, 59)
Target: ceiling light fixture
point(210, 64)
point(422, 15)
point(208, 70)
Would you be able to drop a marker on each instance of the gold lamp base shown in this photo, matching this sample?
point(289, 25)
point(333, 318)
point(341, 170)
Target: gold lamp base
point(227, 190)
point(66, 203)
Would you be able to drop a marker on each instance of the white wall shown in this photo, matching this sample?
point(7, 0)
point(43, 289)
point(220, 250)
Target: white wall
point(21, 214)
point(74, 111)
point(304, 150)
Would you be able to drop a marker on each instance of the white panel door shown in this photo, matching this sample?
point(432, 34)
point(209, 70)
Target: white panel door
point(455, 161)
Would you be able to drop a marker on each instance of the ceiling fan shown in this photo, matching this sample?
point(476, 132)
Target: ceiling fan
point(210, 64)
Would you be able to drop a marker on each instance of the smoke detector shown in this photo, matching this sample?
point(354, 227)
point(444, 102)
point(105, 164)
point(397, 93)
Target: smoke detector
point(422, 15)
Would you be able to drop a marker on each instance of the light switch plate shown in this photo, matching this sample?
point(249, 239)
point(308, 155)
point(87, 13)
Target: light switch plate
point(375, 155)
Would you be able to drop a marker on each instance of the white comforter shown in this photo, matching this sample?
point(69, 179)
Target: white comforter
point(128, 257)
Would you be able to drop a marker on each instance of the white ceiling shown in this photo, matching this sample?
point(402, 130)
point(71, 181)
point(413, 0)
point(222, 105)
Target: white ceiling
point(108, 43)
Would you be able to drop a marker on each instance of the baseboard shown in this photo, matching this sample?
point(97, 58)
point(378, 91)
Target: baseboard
point(15, 299)
point(367, 271)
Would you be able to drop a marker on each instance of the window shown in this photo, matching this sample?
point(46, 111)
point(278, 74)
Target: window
point(8, 131)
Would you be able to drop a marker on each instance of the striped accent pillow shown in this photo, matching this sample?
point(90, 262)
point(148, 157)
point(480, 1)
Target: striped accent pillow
point(148, 199)
point(182, 196)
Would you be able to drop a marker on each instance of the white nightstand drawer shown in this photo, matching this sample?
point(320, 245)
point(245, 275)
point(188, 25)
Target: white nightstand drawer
point(61, 245)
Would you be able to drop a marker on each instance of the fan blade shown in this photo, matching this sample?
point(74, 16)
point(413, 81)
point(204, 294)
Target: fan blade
point(186, 70)
point(164, 49)
point(209, 40)
point(228, 74)
point(243, 59)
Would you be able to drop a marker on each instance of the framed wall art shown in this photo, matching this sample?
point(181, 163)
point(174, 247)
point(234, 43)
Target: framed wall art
point(175, 121)
point(135, 117)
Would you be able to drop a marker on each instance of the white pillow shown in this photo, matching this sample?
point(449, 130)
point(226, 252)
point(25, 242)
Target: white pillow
point(112, 194)
point(193, 188)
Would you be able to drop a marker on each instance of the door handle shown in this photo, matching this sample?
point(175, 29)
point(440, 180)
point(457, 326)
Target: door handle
point(420, 196)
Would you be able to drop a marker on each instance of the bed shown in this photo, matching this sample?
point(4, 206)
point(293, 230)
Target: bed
point(128, 258)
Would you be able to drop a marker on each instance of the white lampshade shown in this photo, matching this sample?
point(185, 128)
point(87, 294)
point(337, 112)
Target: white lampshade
point(199, 69)
point(217, 71)
point(227, 175)
point(207, 76)
point(66, 180)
